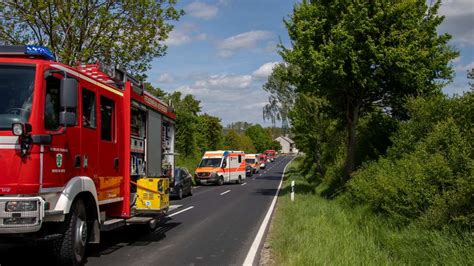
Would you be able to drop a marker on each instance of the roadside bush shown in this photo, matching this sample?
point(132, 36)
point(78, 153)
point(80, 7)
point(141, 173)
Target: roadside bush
point(428, 174)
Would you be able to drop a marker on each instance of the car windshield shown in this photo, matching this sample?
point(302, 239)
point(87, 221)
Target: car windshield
point(210, 162)
point(250, 161)
point(16, 90)
point(177, 174)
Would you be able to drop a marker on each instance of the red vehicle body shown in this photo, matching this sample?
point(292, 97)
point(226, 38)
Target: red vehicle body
point(262, 159)
point(51, 166)
point(271, 154)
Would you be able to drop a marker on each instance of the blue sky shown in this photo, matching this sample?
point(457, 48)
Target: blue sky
point(222, 51)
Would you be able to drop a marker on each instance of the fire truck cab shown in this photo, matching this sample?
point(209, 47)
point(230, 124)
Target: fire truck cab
point(82, 149)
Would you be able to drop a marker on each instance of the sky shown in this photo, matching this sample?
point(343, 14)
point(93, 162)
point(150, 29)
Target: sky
point(222, 51)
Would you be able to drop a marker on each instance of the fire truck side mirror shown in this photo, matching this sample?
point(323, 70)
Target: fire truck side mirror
point(68, 99)
point(68, 93)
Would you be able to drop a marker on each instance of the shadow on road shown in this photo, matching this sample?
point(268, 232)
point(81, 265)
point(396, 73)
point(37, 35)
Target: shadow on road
point(40, 253)
point(129, 236)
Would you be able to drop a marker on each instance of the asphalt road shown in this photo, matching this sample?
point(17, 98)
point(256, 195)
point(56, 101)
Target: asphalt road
point(215, 226)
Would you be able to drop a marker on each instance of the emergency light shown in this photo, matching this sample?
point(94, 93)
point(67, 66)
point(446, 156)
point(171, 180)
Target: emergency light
point(33, 50)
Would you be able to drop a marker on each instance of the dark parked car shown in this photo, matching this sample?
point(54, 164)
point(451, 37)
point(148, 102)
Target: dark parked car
point(182, 183)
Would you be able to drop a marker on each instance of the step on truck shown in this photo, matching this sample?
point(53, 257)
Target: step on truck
point(83, 149)
point(219, 167)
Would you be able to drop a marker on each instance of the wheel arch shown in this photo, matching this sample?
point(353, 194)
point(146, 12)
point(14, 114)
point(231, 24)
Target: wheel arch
point(82, 187)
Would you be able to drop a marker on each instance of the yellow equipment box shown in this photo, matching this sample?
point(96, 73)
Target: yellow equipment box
point(152, 194)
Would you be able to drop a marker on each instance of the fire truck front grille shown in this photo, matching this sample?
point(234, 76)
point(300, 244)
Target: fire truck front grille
point(20, 212)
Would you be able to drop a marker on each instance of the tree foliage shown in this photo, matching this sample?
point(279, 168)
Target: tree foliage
point(428, 174)
point(128, 34)
point(282, 95)
point(360, 55)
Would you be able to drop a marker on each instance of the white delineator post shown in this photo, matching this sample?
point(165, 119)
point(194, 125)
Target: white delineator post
point(293, 190)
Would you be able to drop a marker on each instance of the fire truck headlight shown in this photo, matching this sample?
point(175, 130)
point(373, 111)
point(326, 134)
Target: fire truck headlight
point(17, 129)
point(21, 206)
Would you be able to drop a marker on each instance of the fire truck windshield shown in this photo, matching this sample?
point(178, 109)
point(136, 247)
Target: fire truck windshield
point(16, 94)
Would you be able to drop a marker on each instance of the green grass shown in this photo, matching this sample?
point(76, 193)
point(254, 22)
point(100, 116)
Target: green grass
point(315, 231)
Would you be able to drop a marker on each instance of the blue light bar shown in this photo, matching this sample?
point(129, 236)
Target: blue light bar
point(22, 50)
point(39, 51)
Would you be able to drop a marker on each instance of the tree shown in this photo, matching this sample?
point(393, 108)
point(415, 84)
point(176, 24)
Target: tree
point(157, 92)
point(282, 95)
point(128, 34)
point(187, 103)
point(236, 141)
point(210, 132)
point(358, 55)
point(470, 75)
point(260, 137)
point(187, 109)
point(232, 140)
point(239, 126)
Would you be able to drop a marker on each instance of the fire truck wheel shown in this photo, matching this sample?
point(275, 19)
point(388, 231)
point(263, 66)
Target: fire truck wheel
point(71, 248)
point(239, 181)
point(220, 182)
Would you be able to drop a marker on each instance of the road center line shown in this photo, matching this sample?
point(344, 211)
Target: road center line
point(176, 213)
point(249, 260)
point(225, 192)
point(243, 184)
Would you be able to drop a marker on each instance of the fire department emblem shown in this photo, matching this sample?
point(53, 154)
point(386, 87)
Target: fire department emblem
point(59, 160)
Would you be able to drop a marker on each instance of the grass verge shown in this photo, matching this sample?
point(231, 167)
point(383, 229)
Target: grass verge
point(313, 231)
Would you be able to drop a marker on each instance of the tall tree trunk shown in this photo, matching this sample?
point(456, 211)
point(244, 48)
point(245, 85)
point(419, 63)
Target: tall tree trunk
point(352, 120)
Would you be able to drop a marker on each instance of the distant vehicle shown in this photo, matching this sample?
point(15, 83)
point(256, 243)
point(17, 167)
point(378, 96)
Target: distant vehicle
point(249, 171)
point(271, 155)
point(252, 160)
point(262, 160)
point(219, 167)
point(182, 183)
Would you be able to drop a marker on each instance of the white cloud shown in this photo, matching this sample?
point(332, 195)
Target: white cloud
point(458, 20)
point(463, 68)
point(165, 78)
point(229, 97)
point(246, 40)
point(186, 33)
point(201, 10)
point(265, 70)
point(177, 37)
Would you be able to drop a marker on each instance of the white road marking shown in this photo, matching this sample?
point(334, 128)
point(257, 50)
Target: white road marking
point(174, 207)
point(225, 192)
point(181, 211)
point(258, 238)
point(243, 184)
point(197, 187)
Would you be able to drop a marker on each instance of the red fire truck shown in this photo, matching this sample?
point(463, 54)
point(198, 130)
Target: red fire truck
point(82, 150)
point(271, 155)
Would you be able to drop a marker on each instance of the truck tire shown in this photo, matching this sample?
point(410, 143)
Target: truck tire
point(239, 180)
point(70, 249)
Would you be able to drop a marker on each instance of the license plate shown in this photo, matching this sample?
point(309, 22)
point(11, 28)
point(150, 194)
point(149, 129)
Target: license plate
point(204, 181)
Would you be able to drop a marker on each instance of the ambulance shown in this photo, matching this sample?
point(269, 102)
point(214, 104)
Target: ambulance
point(252, 160)
point(219, 167)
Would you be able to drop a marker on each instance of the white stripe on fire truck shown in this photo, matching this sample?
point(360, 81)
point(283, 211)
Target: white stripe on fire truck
point(82, 76)
point(8, 140)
